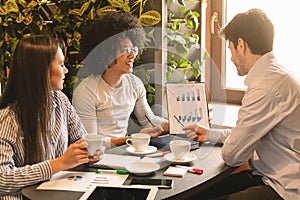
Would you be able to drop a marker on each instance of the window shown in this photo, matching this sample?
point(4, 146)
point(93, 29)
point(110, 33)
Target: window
point(281, 13)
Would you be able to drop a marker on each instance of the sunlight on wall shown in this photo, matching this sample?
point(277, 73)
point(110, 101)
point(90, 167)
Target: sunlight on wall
point(286, 42)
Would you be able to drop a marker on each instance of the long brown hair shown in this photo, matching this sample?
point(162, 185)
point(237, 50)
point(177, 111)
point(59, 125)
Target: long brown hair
point(28, 92)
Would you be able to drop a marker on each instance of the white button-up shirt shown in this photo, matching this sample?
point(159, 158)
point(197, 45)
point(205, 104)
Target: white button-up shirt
point(268, 128)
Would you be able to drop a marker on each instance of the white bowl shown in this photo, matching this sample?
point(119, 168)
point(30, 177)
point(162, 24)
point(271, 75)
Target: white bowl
point(142, 168)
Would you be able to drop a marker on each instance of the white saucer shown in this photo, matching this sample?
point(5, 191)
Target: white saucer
point(188, 158)
point(150, 149)
point(141, 168)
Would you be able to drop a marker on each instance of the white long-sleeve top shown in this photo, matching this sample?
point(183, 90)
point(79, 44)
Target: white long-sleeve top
point(106, 110)
point(268, 128)
point(64, 128)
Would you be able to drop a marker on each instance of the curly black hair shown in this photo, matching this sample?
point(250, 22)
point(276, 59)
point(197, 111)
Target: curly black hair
point(102, 38)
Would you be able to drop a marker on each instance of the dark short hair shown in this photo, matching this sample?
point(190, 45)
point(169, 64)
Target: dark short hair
point(254, 27)
point(102, 38)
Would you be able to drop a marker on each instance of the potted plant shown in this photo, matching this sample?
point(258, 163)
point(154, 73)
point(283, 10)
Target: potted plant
point(185, 57)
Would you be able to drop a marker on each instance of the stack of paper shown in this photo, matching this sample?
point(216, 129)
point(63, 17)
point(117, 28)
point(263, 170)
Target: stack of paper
point(174, 171)
point(120, 161)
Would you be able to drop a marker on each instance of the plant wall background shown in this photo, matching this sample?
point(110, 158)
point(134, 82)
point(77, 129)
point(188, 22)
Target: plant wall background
point(184, 38)
point(62, 18)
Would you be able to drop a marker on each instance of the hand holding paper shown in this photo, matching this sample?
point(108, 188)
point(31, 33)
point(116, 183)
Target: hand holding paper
point(196, 132)
point(187, 105)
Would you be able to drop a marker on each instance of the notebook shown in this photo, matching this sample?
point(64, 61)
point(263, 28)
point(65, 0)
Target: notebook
point(164, 140)
point(175, 172)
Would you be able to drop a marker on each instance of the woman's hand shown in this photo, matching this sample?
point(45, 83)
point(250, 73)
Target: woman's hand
point(154, 132)
point(98, 155)
point(196, 132)
point(75, 155)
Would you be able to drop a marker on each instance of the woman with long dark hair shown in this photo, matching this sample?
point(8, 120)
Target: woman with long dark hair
point(39, 129)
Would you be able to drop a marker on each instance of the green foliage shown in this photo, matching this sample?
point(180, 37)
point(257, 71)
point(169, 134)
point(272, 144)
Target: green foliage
point(63, 18)
point(144, 75)
point(182, 40)
point(175, 63)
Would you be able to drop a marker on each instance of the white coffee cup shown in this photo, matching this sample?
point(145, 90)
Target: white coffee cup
point(94, 141)
point(180, 148)
point(139, 141)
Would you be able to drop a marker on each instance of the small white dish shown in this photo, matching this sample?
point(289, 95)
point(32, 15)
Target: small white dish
point(141, 168)
point(188, 158)
point(149, 149)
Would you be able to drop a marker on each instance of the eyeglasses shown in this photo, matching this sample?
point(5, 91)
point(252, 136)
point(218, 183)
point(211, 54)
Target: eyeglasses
point(127, 50)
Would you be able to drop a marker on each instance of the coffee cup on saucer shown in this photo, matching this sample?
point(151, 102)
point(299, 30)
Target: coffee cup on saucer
point(180, 148)
point(139, 141)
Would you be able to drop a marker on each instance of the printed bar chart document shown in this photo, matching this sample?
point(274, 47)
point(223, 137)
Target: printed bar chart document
point(187, 104)
point(81, 181)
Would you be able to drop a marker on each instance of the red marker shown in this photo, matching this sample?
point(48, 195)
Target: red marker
point(191, 169)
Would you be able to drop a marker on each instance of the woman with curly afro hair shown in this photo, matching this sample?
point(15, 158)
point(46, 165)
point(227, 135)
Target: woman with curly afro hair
point(105, 99)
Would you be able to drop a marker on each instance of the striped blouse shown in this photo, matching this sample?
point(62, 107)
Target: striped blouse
point(64, 128)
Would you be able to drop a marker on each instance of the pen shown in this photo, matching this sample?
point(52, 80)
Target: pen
point(110, 171)
point(149, 120)
point(191, 169)
point(157, 154)
point(178, 121)
point(165, 135)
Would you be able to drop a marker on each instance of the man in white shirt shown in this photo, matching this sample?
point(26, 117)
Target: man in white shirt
point(267, 132)
point(105, 99)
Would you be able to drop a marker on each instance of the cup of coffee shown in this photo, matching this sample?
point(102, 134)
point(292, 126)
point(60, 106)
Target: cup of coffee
point(94, 141)
point(180, 148)
point(139, 141)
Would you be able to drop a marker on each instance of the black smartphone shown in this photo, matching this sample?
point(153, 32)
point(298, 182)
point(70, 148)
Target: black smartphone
point(160, 183)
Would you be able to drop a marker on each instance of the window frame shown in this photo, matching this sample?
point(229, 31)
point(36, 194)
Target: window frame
point(216, 46)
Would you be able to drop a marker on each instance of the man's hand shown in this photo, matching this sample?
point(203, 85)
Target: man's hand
point(154, 132)
point(196, 132)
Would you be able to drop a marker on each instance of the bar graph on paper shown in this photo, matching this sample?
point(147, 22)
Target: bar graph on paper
point(187, 104)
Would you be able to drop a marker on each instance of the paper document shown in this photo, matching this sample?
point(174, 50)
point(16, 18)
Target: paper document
point(115, 161)
point(81, 181)
point(187, 104)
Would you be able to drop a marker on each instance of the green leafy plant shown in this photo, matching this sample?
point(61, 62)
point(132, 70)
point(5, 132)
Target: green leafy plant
point(185, 64)
point(145, 75)
point(183, 37)
point(63, 18)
